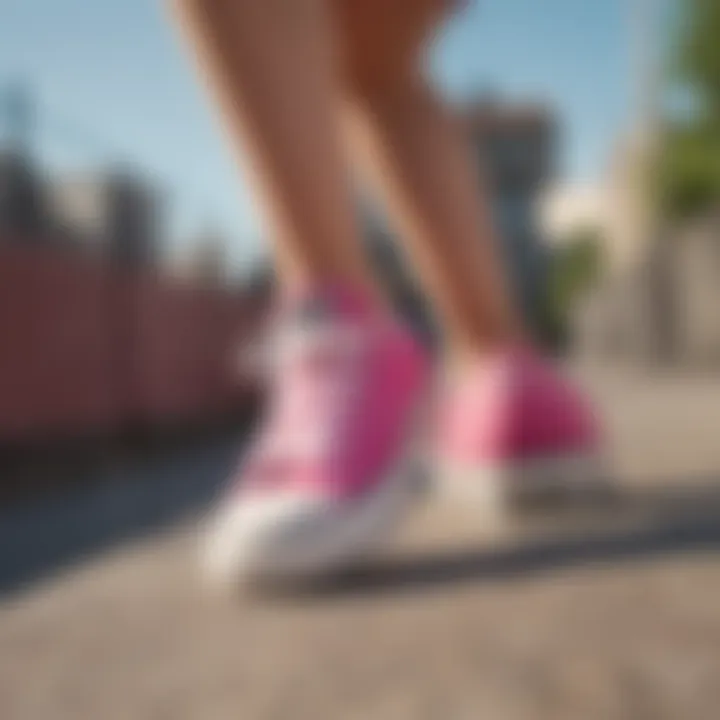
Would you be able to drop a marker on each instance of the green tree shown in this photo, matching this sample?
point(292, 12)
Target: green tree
point(574, 268)
point(698, 54)
point(689, 164)
point(689, 174)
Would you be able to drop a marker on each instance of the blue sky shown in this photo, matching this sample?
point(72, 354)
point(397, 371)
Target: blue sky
point(111, 80)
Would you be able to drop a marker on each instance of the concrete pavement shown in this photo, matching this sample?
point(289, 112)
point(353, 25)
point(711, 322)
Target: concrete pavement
point(605, 613)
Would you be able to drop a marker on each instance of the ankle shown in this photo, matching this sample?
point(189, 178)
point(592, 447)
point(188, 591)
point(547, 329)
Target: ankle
point(461, 354)
point(349, 297)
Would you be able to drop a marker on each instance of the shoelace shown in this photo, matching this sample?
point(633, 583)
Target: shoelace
point(315, 374)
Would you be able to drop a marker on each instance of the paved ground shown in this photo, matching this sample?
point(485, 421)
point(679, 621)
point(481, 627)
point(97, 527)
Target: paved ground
point(612, 613)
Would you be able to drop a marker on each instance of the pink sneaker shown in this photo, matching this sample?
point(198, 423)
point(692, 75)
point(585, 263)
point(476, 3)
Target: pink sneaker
point(512, 431)
point(330, 473)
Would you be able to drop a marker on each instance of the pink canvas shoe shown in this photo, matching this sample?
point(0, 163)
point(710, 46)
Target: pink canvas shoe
point(330, 471)
point(512, 431)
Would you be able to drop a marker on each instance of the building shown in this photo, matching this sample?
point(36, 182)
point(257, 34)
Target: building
point(632, 311)
point(22, 201)
point(514, 150)
point(113, 214)
point(629, 235)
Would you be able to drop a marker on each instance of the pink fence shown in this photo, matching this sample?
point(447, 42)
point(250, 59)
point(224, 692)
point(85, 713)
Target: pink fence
point(87, 349)
point(185, 344)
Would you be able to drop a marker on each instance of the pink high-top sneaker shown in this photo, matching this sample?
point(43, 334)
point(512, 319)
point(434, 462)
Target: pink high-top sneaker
point(512, 430)
point(329, 473)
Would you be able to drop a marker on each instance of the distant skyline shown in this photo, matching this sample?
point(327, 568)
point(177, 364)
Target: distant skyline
point(112, 80)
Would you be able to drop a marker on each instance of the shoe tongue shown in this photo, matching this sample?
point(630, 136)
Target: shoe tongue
point(307, 323)
point(300, 318)
point(294, 321)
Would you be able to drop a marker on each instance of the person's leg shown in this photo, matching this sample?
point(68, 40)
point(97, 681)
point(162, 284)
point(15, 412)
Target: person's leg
point(327, 474)
point(415, 150)
point(509, 425)
point(270, 65)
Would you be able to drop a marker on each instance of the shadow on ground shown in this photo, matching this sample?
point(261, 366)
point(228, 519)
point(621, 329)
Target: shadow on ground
point(124, 498)
point(136, 499)
point(636, 526)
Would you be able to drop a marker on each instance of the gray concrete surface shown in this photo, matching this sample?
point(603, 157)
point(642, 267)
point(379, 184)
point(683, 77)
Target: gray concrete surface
point(609, 612)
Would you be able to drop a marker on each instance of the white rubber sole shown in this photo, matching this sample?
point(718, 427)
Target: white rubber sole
point(295, 535)
point(503, 489)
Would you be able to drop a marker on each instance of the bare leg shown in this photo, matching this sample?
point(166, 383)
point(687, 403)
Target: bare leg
point(271, 66)
point(416, 152)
